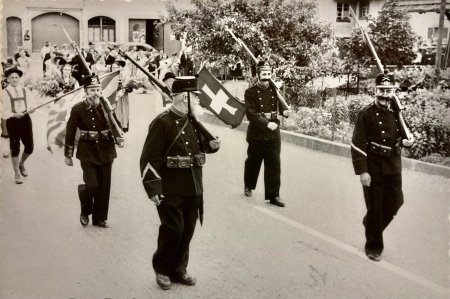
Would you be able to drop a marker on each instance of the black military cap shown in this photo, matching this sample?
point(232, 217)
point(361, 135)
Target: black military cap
point(185, 84)
point(91, 81)
point(263, 66)
point(11, 70)
point(385, 80)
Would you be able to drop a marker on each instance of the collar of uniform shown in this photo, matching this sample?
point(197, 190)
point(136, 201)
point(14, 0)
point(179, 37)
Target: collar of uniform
point(177, 112)
point(382, 108)
point(262, 86)
point(89, 105)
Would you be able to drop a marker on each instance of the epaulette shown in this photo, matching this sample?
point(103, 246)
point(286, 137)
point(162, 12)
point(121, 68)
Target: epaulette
point(368, 106)
point(162, 114)
point(77, 105)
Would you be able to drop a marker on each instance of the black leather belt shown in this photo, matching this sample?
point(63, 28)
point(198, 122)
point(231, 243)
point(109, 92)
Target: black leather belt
point(95, 135)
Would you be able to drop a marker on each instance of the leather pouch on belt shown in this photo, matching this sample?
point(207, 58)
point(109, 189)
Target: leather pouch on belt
point(199, 159)
point(92, 135)
point(178, 162)
point(380, 150)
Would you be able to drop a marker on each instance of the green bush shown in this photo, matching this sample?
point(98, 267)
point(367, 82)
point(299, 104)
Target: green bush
point(426, 114)
point(355, 105)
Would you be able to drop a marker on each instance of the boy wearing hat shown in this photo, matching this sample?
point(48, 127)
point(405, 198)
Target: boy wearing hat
point(376, 155)
point(16, 100)
point(263, 136)
point(96, 152)
point(171, 167)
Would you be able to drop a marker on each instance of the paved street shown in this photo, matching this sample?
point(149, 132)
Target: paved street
point(245, 249)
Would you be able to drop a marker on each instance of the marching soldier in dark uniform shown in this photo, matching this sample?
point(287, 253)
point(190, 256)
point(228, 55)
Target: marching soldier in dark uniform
point(171, 166)
point(376, 148)
point(96, 152)
point(263, 136)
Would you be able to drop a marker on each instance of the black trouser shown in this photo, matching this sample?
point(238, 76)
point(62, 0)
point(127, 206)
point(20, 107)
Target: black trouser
point(178, 215)
point(383, 199)
point(94, 194)
point(20, 129)
point(269, 151)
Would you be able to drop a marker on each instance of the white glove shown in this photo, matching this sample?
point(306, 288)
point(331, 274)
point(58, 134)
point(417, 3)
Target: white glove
point(272, 126)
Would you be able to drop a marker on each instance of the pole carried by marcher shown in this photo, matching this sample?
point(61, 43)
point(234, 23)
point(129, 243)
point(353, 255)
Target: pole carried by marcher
point(284, 105)
point(112, 123)
point(167, 92)
point(396, 101)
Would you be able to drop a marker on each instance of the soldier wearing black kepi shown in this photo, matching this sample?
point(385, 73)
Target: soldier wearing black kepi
point(263, 136)
point(95, 150)
point(171, 167)
point(376, 148)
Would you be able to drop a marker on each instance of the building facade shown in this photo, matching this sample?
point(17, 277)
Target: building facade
point(424, 22)
point(30, 23)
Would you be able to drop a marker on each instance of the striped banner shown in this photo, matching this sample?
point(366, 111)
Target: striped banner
point(60, 111)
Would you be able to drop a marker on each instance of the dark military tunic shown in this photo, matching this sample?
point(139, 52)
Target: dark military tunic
point(375, 149)
point(261, 107)
point(182, 188)
point(96, 151)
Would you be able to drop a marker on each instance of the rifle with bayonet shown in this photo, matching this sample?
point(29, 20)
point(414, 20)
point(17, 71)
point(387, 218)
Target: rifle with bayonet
point(111, 120)
point(165, 91)
point(284, 105)
point(398, 106)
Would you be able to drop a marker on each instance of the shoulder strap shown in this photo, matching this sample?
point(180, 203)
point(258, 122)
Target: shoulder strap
point(175, 139)
point(25, 97)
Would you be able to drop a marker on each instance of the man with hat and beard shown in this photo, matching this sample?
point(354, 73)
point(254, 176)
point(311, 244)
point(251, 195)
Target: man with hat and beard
point(263, 136)
point(96, 152)
point(376, 155)
point(171, 167)
point(16, 100)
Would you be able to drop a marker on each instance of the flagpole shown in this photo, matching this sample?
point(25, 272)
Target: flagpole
point(58, 98)
point(52, 100)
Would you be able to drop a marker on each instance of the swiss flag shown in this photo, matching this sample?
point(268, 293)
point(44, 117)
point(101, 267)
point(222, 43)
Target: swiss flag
point(218, 100)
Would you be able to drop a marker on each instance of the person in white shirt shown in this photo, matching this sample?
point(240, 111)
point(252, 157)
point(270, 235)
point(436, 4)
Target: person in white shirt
point(16, 101)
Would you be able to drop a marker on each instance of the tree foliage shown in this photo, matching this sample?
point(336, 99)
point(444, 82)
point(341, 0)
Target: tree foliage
point(392, 37)
point(285, 32)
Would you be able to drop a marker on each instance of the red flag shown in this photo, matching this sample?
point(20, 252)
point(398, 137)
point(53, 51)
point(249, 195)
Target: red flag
point(60, 111)
point(218, 100)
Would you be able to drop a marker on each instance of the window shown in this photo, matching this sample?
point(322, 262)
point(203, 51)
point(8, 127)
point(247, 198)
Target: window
point(343, 14)
point(363, 9)
point(101, 29)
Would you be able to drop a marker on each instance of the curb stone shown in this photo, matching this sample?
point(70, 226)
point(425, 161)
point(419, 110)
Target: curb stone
point(336, 148)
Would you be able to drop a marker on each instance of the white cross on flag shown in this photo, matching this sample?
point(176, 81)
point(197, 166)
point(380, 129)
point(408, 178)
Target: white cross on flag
point(218, 100)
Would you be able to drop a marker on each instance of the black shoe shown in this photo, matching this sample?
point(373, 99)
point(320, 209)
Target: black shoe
point(163, 281)
point(374, 256)
point(185, 279)
point(100, 223)
point(277, 202)
point(248, 192)
point(84, 220)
